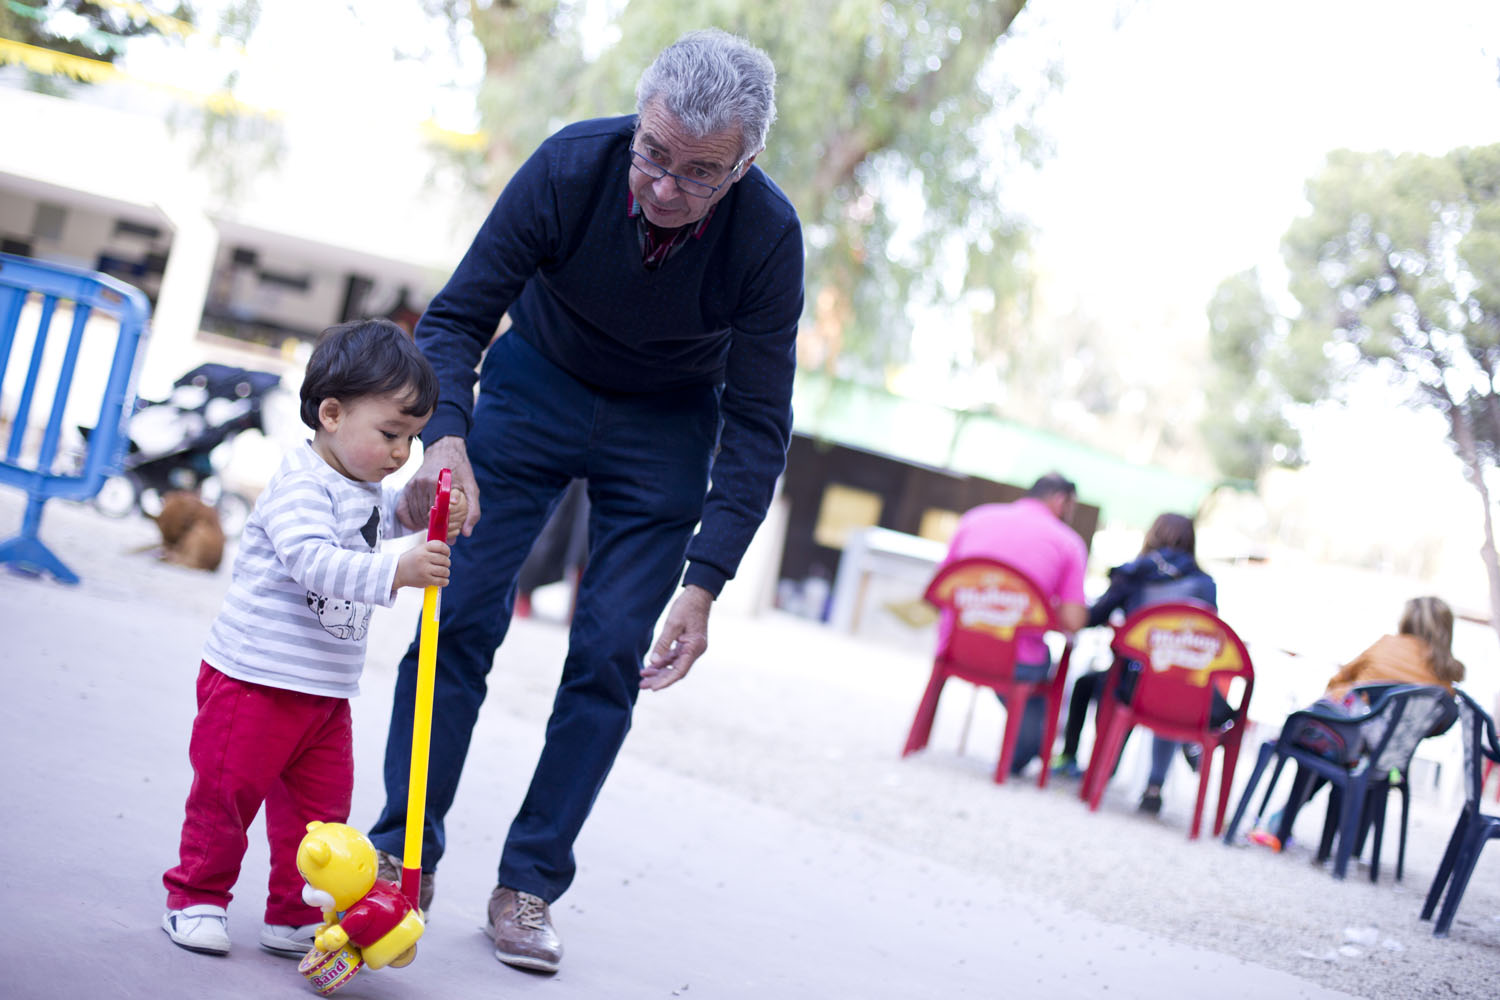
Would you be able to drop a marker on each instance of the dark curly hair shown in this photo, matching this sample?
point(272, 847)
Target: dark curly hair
point(367, 357)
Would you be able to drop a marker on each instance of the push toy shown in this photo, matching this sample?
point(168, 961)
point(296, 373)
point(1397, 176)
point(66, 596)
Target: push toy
point(366, 921)
point(369, 921)
point(421, 726)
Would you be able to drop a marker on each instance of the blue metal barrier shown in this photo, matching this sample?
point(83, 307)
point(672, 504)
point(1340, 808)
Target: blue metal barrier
point(32, 469)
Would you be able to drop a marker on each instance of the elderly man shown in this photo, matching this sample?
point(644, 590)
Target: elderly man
point(1033, 535)
point(653, 278)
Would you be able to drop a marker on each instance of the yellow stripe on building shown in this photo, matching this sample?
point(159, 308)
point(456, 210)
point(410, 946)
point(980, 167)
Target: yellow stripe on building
point(50, 62)
point(463, 142)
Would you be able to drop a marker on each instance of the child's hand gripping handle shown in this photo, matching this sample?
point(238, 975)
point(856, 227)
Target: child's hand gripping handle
point(421, 729)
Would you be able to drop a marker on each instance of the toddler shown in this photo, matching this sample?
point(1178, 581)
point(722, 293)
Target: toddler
point(285, 652)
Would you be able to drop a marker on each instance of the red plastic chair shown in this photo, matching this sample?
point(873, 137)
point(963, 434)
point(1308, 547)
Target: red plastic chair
point(1185, 651)
point(992, 605)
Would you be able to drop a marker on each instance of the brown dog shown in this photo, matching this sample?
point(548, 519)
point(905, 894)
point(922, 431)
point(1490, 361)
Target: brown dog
point(190, 531)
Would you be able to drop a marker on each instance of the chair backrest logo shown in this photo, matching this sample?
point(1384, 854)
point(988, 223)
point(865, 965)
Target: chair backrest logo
point(1185, 648)
point(991, 607)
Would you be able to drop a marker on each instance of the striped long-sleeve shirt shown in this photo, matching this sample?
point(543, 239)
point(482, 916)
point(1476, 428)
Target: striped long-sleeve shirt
point(308, 572)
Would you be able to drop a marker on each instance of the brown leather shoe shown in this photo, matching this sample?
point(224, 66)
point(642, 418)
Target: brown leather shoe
point(388, 868)
point(521, 925)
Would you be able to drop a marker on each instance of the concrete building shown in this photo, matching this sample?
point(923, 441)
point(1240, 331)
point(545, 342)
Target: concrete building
point(337, 229)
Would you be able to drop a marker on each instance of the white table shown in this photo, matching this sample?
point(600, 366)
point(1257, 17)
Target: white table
point(880, 552)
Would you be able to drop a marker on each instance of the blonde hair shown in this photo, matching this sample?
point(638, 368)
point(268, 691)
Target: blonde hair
point(1431, 620)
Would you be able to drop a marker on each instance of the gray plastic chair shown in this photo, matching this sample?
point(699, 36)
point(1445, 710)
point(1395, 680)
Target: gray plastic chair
point(1401, 717)
point(1474, 829)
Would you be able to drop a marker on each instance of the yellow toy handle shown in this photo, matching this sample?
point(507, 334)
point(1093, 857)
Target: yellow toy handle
point(421, 726)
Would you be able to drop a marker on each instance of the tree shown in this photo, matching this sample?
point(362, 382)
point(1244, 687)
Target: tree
point(1262, 367)
point(1397, 266)
point(96, 31)
point(234, 143)
point(893, 137)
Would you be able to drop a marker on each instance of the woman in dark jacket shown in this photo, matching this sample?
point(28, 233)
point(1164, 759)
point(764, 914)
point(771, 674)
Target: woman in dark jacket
point(1166, 570)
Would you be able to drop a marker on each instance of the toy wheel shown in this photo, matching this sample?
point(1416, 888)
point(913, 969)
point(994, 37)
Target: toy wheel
point(118, 496)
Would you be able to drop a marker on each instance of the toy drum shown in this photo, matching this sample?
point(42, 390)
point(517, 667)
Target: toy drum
point(328, 970)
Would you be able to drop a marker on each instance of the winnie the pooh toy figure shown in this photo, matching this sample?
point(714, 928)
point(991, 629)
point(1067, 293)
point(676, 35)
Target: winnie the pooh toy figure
point(338, 864)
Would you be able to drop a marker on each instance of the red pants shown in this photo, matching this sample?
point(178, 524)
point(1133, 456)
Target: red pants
point(254, 744)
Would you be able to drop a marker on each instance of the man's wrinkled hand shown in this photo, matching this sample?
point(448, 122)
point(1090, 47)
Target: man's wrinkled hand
point(416, 498)
point(683, 638)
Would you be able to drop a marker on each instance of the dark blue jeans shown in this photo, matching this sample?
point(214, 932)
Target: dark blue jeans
point(646, 458)
point(1029, 739)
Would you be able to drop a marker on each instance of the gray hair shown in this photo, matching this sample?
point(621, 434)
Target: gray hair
point(711, 81)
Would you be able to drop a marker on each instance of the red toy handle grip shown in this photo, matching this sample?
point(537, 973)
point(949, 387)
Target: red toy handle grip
point(437, 520)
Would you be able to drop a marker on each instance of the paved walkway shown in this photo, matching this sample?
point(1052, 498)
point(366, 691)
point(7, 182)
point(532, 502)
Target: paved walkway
point(686, 890)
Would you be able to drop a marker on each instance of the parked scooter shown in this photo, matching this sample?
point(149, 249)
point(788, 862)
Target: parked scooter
point(172, 442)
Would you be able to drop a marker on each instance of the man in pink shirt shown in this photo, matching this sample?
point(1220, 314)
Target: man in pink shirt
point(1032, 534)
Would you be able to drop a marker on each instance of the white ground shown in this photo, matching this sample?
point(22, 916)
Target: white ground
point(786, 718)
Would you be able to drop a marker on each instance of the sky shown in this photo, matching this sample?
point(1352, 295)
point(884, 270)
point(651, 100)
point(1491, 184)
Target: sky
point(1181, 139)
point(325, 60)
point(1185, 133)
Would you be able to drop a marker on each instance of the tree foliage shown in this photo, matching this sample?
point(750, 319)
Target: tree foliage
point(90, 30)
point(232, 145)
point(1399, 261)
point(1397, 265)
point(98, 31)
point(1262, 366)
point(890, 141)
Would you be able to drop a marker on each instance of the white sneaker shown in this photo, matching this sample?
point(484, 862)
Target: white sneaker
point(288, 941)
point(202, 928)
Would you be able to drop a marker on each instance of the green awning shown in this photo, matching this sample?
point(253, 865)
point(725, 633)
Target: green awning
point(1125, 492)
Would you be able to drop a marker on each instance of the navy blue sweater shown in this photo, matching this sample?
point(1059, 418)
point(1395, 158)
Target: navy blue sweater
point(1153, 578)
point(560, 254)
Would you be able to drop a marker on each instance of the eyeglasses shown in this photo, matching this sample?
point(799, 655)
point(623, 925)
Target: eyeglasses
point(686, 185)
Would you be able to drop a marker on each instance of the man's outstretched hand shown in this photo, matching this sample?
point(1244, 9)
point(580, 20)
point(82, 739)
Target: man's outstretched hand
point(683, 638)
point(416, 498)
